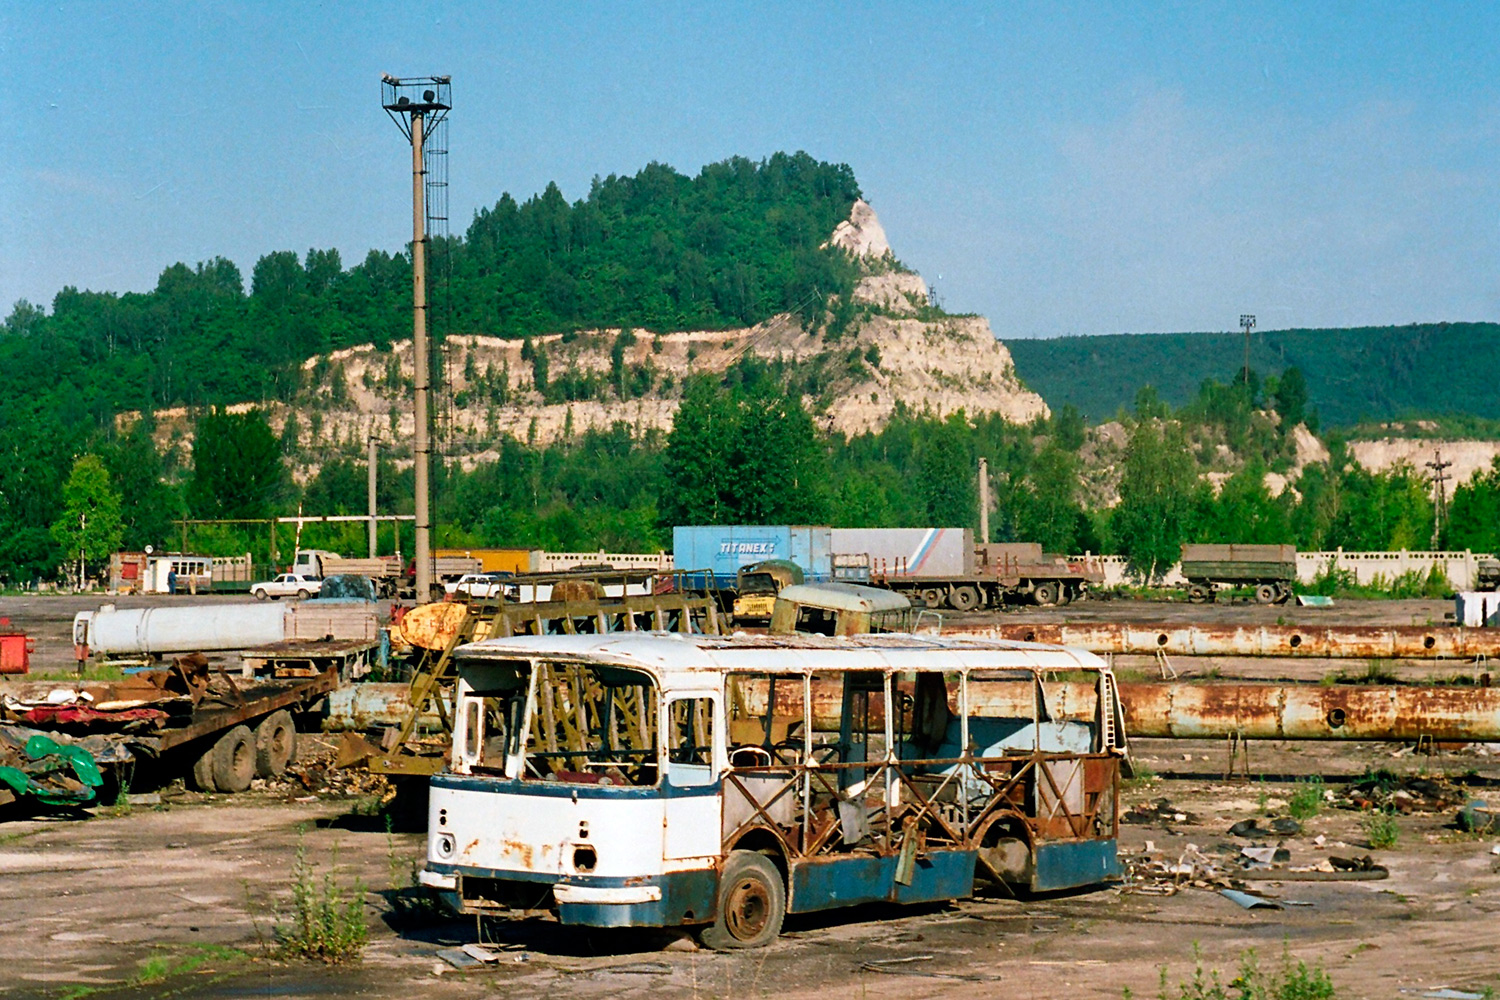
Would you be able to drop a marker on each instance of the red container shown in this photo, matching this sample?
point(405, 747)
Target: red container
point(15, 653)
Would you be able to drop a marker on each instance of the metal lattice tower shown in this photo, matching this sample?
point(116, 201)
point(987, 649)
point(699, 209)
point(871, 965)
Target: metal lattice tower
point(419, 106)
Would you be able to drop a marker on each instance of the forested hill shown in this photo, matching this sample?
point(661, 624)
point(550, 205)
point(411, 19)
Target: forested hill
point(659, 251)
point(1365, 373)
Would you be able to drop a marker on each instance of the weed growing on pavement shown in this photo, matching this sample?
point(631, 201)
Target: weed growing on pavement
point(1305, 802)
point(327, 922)
point(1380, 830)
point(1291, 980)
point(1141, 776)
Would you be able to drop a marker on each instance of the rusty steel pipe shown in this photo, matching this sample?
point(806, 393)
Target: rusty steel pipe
point(1323, 641)
point(1199, 711)
point(1311, 712)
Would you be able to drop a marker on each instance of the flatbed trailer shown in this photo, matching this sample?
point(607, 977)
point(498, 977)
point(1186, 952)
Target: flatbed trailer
point(1271, 570)
point(1000, 573)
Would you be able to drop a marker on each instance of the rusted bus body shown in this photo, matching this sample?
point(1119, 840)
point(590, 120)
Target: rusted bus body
point(655, 780)
point(1329, 642)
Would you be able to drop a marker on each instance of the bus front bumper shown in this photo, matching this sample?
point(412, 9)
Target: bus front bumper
point(669, 900)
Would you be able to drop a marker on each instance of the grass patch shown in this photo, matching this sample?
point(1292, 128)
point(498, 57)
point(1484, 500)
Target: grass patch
point(1289, 980)
point(1306, 801)
point(1141, 776)
point(1380, 829)
point(159, 968)
point(327, 921)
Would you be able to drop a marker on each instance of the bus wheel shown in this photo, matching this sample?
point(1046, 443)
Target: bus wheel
point(751, 903)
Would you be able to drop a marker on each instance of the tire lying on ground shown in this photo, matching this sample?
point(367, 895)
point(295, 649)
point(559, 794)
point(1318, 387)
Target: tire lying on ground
point(275, 744)
point(234, 760)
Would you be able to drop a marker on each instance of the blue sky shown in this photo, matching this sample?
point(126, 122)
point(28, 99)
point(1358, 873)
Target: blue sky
point(1065, 168)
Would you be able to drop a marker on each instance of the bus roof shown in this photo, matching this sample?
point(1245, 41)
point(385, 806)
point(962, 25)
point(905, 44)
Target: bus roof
point(681, 661)
point(844, 597)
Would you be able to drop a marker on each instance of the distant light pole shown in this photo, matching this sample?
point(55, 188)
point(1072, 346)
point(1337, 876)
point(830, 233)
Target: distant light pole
point(1247, 323)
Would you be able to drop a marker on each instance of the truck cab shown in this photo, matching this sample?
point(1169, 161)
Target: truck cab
point(309, 562)
point(757, 585)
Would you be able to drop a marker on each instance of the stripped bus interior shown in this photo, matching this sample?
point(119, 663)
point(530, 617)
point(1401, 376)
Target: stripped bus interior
point(618, 780)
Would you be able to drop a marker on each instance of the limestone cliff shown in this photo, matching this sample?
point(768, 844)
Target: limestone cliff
point(895, 347)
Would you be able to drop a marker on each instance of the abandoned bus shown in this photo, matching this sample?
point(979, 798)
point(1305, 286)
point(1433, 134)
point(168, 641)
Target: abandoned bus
point(658, 779)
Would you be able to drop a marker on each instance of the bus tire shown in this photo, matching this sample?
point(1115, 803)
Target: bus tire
point(234, 760)
point(750, 906)
point(275, 744)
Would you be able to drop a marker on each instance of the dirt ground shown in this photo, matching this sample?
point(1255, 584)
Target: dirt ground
point(191, 887)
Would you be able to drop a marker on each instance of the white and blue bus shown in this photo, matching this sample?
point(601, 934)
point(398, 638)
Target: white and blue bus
point(661, 780)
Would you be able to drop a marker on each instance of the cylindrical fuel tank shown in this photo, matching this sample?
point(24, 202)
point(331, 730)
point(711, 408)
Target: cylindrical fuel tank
point(199, 628)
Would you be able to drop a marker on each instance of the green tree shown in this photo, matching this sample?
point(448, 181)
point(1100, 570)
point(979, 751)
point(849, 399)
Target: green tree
point(1244, 511)
point(945, 475)
point(1156, 498)
point(748, 455)
point(1474, 514)
point(148, 503)
point(1047, 508)
point(237, 470)
point(1291, 397)
point(90, 518)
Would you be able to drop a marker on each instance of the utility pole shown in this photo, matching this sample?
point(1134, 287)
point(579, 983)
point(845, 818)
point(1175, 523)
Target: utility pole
point(1247, 323)
point(1440, 477)
point(373, 457)
point(984, 501)
point(417, 105)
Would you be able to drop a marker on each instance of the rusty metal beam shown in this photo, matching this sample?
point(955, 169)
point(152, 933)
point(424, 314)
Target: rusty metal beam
point(1324, 641)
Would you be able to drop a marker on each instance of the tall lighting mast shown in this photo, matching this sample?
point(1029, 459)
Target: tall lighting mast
point(418, 105)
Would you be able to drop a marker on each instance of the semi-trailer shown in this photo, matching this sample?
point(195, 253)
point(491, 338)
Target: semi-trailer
point(934, 567)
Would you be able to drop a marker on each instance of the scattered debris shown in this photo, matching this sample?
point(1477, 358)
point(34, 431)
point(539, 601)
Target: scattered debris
point(47, 767)
point(1389, 792)
point(1162, 812)
point(1477, 817)
point(1250, 902)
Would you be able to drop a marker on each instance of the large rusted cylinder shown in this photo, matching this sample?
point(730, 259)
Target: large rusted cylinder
point(1332, 641)
point(1311, 712)
point(1199, 711)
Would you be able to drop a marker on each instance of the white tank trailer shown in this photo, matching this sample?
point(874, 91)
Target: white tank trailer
point(119, 633)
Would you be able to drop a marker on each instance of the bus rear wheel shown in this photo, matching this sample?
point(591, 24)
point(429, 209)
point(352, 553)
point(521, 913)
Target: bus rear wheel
point(751, 903)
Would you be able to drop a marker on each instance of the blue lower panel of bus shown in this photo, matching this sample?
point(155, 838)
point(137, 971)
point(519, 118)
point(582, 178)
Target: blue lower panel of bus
point(686, 898)
point(825, 883)
point(1075, 863)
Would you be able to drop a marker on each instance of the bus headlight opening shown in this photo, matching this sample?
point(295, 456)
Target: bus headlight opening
point(442, 846)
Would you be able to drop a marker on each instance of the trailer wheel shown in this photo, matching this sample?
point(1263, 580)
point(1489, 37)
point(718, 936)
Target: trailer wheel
point(1265, 593)
point(203, 771)
point(1199, 594)
point(750, 906)
point(964, 597)
point(234, 760)
point(932, 597)
point(1045, 593)
point(275, 744)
